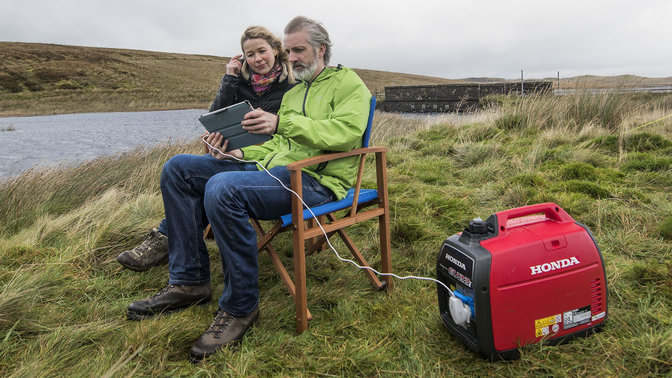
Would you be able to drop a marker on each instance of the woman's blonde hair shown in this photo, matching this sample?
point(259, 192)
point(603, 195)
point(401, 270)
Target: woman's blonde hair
point(261, 32)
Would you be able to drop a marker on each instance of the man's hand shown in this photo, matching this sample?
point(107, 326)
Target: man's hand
point(260, 122)
point(217, 141)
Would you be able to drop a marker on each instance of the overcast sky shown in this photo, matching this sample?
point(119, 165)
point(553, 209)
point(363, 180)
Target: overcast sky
point(444, 38)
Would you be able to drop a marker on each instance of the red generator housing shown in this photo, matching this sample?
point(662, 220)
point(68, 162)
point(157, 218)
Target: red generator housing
point(519, 277)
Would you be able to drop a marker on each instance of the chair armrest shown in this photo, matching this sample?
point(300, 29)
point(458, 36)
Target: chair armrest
point(297, 165)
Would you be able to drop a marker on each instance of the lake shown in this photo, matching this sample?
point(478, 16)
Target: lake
point(74, 138)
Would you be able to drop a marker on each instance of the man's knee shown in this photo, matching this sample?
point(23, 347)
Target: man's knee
point(219, 191)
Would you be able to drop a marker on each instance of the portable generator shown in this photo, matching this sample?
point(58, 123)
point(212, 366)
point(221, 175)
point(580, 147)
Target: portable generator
point(521, 276)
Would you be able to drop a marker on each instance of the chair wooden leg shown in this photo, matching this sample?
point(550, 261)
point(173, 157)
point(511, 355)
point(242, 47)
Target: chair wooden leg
point(385, 247)
point(279, 266)
point(301, 298)
point(317, 243)
point(323, 247)
point(207, 233)
point(299, 242)
point(384, 220)
point(360, 259)
point(284, 275)
point(358, 256)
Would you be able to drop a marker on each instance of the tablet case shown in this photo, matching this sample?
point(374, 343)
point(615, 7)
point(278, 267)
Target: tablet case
point(226, 121)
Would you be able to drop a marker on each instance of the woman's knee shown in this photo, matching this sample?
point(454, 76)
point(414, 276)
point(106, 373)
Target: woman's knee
point(181, 165)
point(172, 167)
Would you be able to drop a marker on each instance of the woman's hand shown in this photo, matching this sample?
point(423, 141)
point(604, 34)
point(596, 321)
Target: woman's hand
point(234, 66)
point(215, 140)
point(260, 122)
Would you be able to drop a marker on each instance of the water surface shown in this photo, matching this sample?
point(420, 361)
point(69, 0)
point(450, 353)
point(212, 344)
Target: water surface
point(74, 138)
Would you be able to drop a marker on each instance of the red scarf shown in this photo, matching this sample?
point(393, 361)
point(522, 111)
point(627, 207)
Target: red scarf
point(261, 82)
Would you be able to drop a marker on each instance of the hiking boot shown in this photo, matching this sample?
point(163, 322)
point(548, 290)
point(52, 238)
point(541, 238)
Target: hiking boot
point(169, 299)
point(226, 330)
point(151, 252)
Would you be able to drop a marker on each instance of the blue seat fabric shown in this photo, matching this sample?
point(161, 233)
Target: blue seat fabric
point(365, 195)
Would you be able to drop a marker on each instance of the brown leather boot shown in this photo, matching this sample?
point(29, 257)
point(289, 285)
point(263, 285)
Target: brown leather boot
point(226, 330)
point(169, 299)
point(153, 251)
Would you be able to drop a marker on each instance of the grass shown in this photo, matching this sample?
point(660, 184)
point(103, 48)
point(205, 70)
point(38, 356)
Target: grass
point(63, 295)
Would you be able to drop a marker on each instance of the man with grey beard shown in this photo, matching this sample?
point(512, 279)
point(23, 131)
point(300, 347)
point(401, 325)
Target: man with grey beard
point(326, 112)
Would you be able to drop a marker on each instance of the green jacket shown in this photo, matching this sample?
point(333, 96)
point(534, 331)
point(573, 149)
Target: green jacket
point(327, 115)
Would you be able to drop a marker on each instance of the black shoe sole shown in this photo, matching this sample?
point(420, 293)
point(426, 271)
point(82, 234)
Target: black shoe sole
point(138, 316)
point(197, 358)
point(135, 268)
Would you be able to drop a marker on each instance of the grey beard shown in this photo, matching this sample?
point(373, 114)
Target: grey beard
point(307, 73)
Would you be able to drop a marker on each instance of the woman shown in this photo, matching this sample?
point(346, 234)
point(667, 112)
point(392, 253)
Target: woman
point(261, 75)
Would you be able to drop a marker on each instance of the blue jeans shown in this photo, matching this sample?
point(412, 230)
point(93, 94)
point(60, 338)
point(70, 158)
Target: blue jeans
point(199, 188)
point(163, 227)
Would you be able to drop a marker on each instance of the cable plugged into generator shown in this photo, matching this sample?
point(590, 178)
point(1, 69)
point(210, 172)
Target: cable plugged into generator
point(461, 308)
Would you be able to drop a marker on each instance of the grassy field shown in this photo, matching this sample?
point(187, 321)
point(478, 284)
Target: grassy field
point(46, 79)
point(605, 158)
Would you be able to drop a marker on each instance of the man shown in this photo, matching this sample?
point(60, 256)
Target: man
point(327, 112)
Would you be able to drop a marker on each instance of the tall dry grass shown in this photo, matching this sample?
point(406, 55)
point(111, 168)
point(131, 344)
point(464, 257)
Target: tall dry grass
point(56, 191)
point(573, 111)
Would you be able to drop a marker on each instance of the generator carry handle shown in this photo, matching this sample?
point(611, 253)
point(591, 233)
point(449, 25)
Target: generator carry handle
point(549, 209)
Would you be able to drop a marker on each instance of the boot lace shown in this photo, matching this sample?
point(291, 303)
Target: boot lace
point(163, 291)
point(220, 324)
point(152, 240)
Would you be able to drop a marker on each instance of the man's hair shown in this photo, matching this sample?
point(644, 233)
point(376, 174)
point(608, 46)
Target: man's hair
point(261, 32)
point(317, 34)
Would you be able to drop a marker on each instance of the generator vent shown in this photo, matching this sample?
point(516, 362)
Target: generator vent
point(597, 304)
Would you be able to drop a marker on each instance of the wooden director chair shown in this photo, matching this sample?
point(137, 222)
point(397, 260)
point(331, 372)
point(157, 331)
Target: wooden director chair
point(361, 205)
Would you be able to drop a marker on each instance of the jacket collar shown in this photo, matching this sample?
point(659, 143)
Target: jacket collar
point(326, 73)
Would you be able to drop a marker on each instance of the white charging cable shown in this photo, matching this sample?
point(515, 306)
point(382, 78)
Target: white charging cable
point(323, 231)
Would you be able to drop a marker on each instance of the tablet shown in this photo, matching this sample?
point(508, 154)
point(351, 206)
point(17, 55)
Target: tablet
point(227, 121)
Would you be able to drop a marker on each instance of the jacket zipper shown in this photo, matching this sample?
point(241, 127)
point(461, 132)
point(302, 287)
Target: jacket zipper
point(305, 98)
point(322, 165)
point(303, 110)
point(269, 161)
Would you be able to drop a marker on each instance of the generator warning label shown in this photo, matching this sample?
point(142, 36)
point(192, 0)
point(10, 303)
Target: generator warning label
point(576, 317)
point(545, 326)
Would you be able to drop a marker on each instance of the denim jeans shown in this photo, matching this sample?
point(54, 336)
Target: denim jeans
point(199, 188)
point(163, 227)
